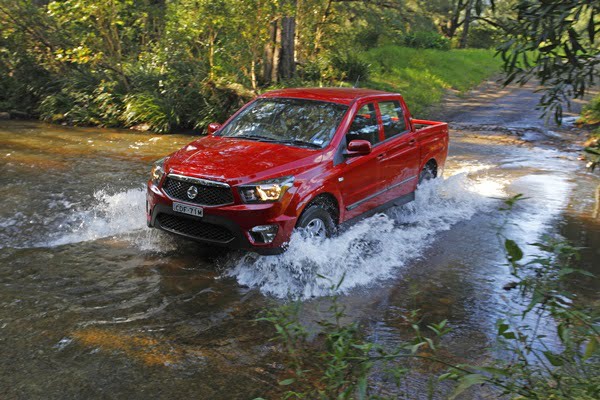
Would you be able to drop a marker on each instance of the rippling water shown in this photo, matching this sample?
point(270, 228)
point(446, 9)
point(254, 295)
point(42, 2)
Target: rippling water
point(94, 304)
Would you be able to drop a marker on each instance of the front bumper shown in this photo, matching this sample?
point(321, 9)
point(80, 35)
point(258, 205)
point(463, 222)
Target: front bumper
point(226, 226)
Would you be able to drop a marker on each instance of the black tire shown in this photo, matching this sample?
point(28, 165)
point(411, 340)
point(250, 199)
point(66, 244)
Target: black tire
point(313, 213)
point(427, 173)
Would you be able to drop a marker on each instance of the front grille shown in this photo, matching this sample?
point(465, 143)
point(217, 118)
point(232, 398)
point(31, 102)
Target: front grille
point(195, 228)
point(207, 195)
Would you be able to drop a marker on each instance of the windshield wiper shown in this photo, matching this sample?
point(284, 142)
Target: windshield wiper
point(299, 142)
point(251, 137)
point(260, 138)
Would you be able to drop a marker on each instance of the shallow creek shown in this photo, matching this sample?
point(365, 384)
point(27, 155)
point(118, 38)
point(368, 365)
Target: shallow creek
point(95, 305)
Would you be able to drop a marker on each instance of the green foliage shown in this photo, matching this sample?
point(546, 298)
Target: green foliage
point(338, 362)
point(554, 42)
point(535, 371)
point(423, 76)
point(426, 40)
point(593, 156)
point(590, 115)
point(483, 36)
point(350, 67)
point(157, 111)
point(184, 63)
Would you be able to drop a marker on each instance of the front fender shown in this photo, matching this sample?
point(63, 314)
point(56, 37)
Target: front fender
point(306, 193)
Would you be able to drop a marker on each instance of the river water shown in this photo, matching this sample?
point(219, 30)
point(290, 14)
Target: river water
point(95, 305)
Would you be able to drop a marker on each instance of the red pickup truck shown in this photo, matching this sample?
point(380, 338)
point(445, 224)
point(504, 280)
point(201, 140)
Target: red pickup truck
point(308, 159)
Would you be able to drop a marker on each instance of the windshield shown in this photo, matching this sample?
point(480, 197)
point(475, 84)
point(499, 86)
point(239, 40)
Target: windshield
point(297, 122)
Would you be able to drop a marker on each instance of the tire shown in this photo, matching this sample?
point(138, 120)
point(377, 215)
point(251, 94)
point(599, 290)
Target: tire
point(427, 173)
point(316, 221)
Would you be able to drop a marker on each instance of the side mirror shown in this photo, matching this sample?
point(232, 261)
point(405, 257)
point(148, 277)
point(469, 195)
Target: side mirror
point(213, 127)
point(358, 147)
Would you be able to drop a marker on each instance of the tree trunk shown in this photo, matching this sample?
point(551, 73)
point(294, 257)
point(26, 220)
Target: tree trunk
point(253, 79)
point(211, 56)
point(280, 51)
point(466, 23)
point(287, 64)
point(453, 24)
point(271, 58)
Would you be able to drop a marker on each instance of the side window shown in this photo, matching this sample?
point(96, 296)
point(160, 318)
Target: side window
point(392, 118)
point(364, 126)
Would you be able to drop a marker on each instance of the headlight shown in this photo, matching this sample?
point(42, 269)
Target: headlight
point(265, 191)
point(158, 171)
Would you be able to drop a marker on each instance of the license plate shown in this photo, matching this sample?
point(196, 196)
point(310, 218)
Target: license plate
point(185, 209)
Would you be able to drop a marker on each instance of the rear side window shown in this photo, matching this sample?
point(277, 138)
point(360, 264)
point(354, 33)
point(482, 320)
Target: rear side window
point(364, 125)
point(392, 118)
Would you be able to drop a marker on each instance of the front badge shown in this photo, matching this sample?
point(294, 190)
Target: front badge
point(192, 192)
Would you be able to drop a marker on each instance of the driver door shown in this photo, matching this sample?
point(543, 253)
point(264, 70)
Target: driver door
point(361, 179)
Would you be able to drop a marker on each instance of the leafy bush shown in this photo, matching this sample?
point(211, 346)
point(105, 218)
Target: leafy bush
point(590, 114)
point(156, 111)
point(81, 100)
point(426, 40)
point(368, 38)
point(350, 67)
point(482, 36)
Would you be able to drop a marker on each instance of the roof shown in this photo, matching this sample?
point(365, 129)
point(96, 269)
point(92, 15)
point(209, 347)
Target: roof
point(337, 95)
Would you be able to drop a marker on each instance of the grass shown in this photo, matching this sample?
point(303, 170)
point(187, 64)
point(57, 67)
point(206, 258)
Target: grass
point(423, 76)
point(590, 116)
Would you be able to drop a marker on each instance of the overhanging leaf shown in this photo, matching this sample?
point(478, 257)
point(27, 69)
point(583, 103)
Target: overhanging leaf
point(590, 348)
point(554, 359)
point(514, 251)
point(466, 382)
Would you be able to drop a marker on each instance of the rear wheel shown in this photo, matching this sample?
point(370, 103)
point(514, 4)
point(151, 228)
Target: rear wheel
point(429, 172)
point(316, 222)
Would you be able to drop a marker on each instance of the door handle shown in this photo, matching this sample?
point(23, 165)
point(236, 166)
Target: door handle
point(412, 142)
point(380, 156)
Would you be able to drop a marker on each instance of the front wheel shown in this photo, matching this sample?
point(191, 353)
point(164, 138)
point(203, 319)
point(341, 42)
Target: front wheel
point(316, 222)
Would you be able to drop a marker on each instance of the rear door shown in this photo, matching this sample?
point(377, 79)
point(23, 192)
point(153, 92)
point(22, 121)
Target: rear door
point(361, 178)
point(400, 157)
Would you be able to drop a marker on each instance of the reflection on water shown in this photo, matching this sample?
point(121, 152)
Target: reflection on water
point(94, 304)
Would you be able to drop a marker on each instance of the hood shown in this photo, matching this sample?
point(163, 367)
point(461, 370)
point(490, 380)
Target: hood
point(238, 161)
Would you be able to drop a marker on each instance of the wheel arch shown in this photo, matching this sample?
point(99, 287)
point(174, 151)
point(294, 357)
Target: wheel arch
point(328, 201)
point(433, 165)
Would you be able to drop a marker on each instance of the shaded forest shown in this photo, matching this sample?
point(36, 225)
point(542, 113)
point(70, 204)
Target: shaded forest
point(180, 64)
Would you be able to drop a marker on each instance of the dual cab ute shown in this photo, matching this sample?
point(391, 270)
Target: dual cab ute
point(308, 159)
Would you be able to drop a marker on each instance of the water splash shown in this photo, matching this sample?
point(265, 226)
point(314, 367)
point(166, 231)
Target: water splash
point(118, 214)
point(110, 214)
point(374, 249)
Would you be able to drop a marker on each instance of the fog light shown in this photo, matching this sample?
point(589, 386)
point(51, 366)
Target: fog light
point(264, 233)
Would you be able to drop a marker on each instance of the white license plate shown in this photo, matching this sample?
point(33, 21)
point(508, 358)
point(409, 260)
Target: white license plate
point(185, 209)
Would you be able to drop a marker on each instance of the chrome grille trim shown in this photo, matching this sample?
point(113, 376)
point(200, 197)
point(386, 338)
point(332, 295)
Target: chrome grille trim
point(199, 181)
